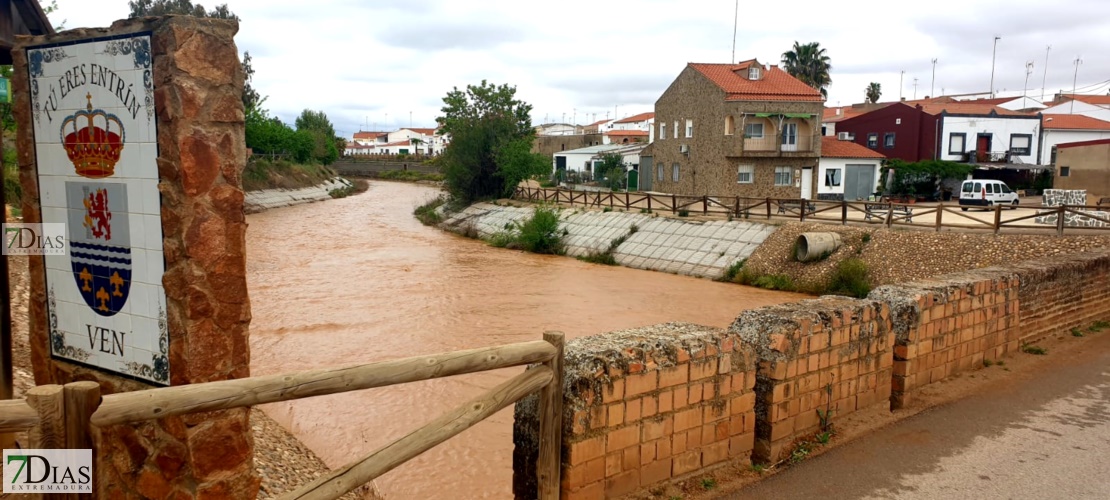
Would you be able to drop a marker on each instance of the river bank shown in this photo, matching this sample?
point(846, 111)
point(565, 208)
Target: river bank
point(265, 199)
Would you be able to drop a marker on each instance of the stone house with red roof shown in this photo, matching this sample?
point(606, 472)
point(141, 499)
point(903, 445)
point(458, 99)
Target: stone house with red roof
point(741, 129)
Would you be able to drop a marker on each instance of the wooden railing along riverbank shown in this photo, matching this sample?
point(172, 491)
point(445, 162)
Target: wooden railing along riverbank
point(61, 416)
point(928, 216)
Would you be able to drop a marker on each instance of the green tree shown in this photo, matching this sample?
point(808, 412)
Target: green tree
point(873, 92)
point(810, 64)
point(488, 128)
point(317, 124)
point(145, 8)
point(610, 171)
point(517, 162)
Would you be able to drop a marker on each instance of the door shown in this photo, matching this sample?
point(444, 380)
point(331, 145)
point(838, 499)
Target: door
point(859, 182)
point(790, 137)
point(807, 183)
point(983, 147)
point(633, 180)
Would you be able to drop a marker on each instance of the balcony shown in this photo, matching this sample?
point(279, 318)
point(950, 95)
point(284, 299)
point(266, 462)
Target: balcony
point(774, 146)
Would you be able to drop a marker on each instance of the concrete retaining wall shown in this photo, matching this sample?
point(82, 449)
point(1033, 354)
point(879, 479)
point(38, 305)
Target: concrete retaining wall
point(369, 167)
point(692, 248)
point(257, 201)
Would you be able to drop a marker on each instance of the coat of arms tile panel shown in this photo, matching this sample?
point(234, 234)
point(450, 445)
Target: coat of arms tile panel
point(96, 144)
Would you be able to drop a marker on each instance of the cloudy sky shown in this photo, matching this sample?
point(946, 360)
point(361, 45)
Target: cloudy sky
point(373, 64)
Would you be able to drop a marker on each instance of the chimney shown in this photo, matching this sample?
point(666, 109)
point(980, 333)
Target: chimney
point(903, 99)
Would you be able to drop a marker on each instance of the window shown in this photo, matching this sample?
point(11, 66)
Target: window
point(888, 141)
point(674, 172)
point(745, 173)
point(784, 176)
point(990, 188)
point(1021, 144)
point(753, 73)
point(662, 132)
point(967, 187)
point(1065, 171)
point(957, 144)
point(753, 131)
point(872, 141)
point(676, 129)
point(730, 125)
point(832, 177)
point(1053, 160)
point(689, 128)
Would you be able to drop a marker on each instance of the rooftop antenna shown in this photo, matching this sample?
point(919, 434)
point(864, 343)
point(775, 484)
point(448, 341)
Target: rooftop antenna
point(1028, 71)
point(1078, 61)
point(735, 21)
point(933, 83)
point(915, 89)
point(900, 78)
point(993, 53)
point(1044, 78)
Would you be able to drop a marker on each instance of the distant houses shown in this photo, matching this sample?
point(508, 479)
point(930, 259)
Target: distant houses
point(411, 141)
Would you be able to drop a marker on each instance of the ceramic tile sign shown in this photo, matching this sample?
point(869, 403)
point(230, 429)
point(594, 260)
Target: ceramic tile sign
point(94, 125)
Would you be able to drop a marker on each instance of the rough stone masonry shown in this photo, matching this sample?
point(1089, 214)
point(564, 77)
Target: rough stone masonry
point(198, 84)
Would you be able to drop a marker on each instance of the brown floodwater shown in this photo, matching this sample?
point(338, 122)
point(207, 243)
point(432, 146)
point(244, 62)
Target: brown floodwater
point(359, 279)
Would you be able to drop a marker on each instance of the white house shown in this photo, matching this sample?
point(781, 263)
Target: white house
point(1077, 106)
point(1062, 129)
point(1012, 103)
point(355, 148)
point(642, 121)
point(996, 135)
point(558, 129)
point(425, 141)
point(846, 170)
point(583, 159)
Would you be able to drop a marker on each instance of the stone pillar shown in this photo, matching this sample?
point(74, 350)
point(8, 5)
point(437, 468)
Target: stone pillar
point(159, 100)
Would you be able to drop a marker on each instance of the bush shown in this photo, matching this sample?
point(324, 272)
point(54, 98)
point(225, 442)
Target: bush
point(775, 282)
point(540, 233)
point(409, 175)
point(427, 213)
point(734, 270)
point(850, 279)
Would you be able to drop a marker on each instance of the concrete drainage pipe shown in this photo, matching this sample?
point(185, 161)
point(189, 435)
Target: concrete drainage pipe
point(815, 246)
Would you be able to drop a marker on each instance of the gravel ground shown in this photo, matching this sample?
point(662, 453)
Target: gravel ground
point(900, 256)
point(282, 461)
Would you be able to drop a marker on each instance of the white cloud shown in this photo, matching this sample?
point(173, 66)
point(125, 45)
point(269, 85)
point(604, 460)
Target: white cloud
point(358, 61)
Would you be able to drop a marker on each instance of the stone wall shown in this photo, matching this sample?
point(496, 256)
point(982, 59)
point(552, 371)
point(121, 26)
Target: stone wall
point(198, 84)
point(818, 361)
point(1072, 197)
point(693, 248)
point(548, 145)
point(1057, 197)
point(646, 406)
point(369, 167)
point(257, 201)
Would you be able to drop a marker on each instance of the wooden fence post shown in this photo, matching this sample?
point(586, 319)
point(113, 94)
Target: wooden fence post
point(649, 203)
point(549, 467)
point(705, 204)
point(82, 400)
point(627, 201)
point(843, 212)
point(890, 215)
point(1061, 212)
point(803, 204)
point(940, 213)
point(674, 204)
point(737, 209)
point(49, 402)
point(768, 209)
point(997, 218)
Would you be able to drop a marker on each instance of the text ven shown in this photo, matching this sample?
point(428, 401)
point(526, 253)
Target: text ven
point(106, 340)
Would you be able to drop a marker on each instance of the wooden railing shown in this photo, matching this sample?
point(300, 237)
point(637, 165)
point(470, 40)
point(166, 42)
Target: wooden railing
point(889, 214)
point(61, 416)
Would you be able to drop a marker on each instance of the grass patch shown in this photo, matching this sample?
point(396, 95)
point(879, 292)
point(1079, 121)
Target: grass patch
point(356, 186)
point(540, 233)
point(801, 452)
point(1034, 349)
point(1075, 332)
point(988, 363)
point(824, 437)
point(283, 174)
point(502, 239)
point(683, 213)
point(850, 279)
point(409, 176)
point(606, 257)
point(733, 270)
point(427, 213)
point(708, 483)
point(759, 468)
point(775, 282)
point(1099, 326)
point(645, 210)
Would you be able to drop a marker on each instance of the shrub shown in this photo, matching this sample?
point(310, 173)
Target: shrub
point(540, 233)
point(850, 278)
point(734, 270)
point(503, 239)
point(427, 213)
point(683, 213)
point(775, 282)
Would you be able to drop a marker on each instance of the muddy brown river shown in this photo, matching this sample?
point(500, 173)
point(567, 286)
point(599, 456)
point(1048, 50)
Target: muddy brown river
point(359, 279)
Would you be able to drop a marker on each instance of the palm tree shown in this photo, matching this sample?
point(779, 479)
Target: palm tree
point(810, 64)
point(873, 92)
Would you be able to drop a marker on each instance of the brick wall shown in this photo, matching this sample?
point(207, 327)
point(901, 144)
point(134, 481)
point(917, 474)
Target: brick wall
point(1060, 293)
point(646, 406)
point(821, 358)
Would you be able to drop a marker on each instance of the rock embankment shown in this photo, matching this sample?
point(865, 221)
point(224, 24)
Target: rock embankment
point(257, 201)
point(704, 249)
point(901, 256)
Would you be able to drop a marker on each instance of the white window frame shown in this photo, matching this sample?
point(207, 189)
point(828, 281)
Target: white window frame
point(784, 176)
point(837, 175)
point(659, 173)
point(963, 143)
point(662, 130)
point(730, 125)
point(689, 128)
point(676, 129)
point(1027, 150)
point(674, 172)
point(753, 72)
point(753, 136)
point(745, 171)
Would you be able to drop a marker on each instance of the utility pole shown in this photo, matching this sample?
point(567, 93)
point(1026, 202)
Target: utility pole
point(1078, 61)
point(1045, 77)
point(735, 21)
point(933, 83)
point(900, 78)
point(1028, 71)
point(410, 119)
point(994, 52)
point(915, 89)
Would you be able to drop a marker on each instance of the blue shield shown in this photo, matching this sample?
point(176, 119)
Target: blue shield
point(100, 244)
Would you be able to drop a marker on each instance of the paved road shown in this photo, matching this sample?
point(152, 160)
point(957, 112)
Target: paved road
point(1044, 434)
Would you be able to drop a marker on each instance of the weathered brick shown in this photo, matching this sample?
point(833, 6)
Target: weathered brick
point(655, 472)
point(741, 445)
point(586, 450)
point(632, 410)
point(613, 392)
point(687, 419)
point(686, 462)
point(674, 375)
point(595, 491)
point(644, 455)
point(641, 383)
point(716, 452)
point(622, 484)
point(595, 470)
point(622, 438)
point(703, 369)
point(613, 464)
point(616, 414)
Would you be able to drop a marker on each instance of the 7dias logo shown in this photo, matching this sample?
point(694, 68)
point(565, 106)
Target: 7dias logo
point(35, 239)
point(48, 471)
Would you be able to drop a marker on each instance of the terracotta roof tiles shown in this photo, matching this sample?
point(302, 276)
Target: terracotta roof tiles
point(774, 84)
point(642, 117)
point(833, 148)
point(1074, 122)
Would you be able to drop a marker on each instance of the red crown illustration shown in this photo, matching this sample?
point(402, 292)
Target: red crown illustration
point(94, 151)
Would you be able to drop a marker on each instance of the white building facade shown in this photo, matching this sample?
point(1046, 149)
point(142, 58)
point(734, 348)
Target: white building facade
point(1004, 137)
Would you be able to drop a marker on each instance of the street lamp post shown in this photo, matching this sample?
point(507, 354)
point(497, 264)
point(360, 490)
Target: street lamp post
point(994, 52)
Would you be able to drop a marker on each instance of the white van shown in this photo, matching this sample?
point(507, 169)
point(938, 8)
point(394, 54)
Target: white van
point(986, 193)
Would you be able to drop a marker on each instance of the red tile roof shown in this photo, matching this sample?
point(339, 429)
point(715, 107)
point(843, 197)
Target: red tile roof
point(774, 85)
point(398, 143)
point(996, 101)
point(1082, 143)
point(1098, 100)
point(423, 131)
point(847, 112)
point(630, 133)
point(368, 135)
point(833, 148)
point(1074, 122)
point(970, 108)
point(642, 117)
point(599, 122)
